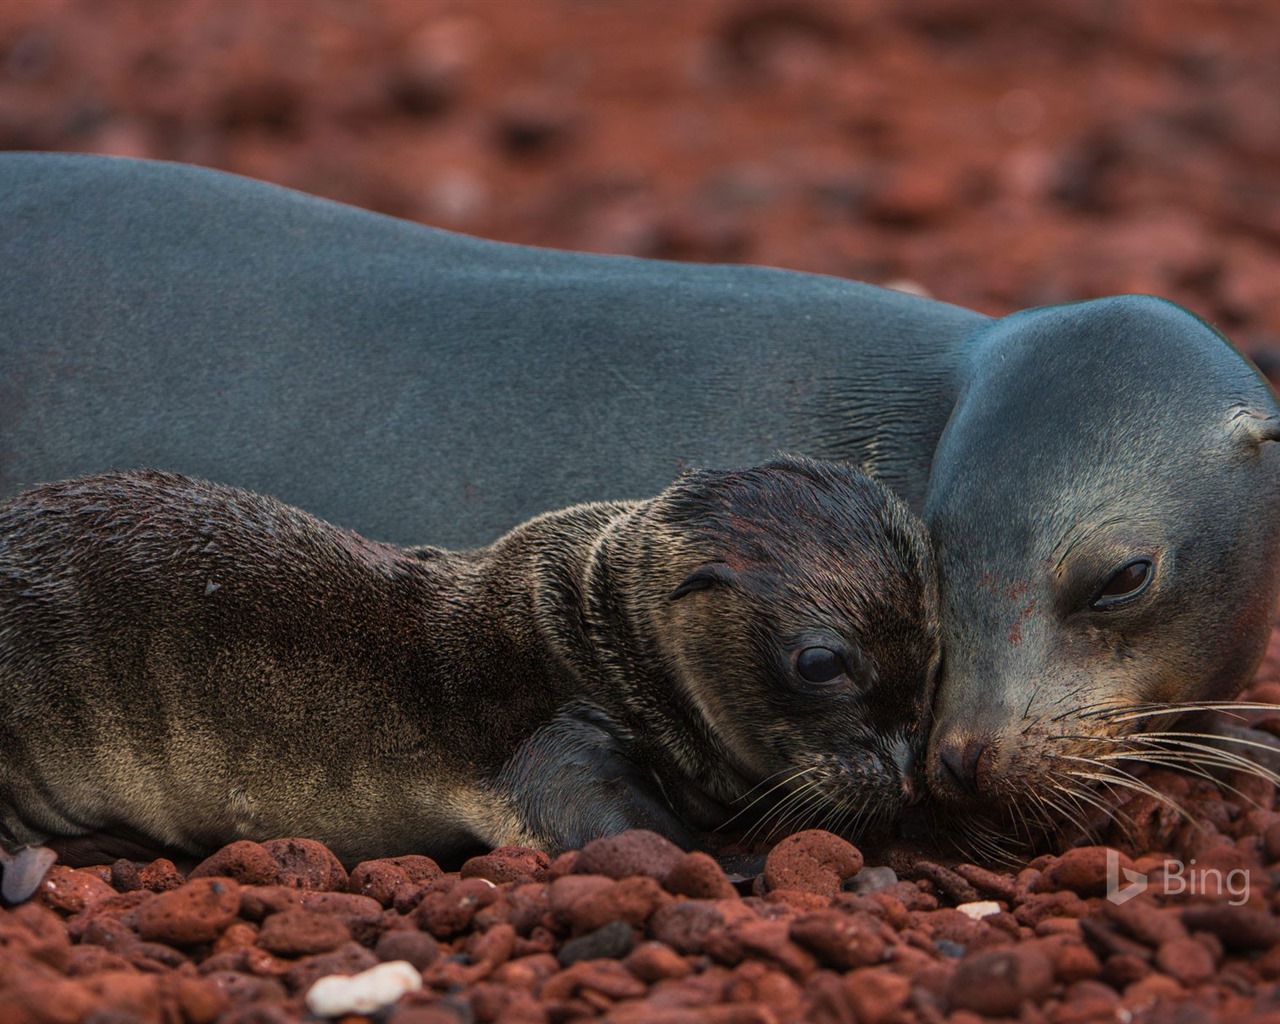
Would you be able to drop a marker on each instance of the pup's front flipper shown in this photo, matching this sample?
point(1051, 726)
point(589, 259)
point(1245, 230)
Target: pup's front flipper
point(573, 781)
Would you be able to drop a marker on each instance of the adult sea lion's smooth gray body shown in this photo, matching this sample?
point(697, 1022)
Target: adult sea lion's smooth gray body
point(183, 665)
point(416, 384)
point(413, 383)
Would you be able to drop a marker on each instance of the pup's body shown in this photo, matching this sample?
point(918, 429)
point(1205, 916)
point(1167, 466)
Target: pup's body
point(183, 665)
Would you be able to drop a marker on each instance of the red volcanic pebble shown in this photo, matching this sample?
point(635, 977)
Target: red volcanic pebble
point(566, 890)
point(1146, 922)
point(602, 977)
point(1083, 871)
point(699, 875)
point(991, 884)
point(450, 904)
point(1071, 958)
point(688, 926)
point(247, 862)
point(1186, 961)
point(772, 941)
point(842, 941)
point(1037, 907)
point(198, 912)
point(160, 876)
point(33, 931)
point(1266, 693)
point(631, 899)
point(72, 890)
point(655, 961)
point(813, 861)
point(998, 981)
point(509, 864)
point(306, 864)
point(1240, 928)
point(257, 901)
point(302, 932)
point(637, 852)
point(416, 947)
point(349, 958)
point(876, 994)
point(360, 914)
point(1086, 1002)
point(380, 879)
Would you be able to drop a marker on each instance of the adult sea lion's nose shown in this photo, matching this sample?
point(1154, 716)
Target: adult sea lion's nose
point(959, 761)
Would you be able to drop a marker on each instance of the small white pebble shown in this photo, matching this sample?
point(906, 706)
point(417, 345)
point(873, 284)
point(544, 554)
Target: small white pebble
point(977, 911)
point(364, 992)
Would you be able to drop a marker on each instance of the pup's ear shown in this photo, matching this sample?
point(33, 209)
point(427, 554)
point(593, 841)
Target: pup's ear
point(714, 574)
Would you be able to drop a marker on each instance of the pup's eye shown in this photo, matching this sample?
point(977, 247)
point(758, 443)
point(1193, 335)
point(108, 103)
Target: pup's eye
point(1125, 583)
point(820, 665)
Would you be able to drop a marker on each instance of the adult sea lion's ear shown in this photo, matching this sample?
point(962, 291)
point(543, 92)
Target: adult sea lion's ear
point(711, 575)
point(1254, 427)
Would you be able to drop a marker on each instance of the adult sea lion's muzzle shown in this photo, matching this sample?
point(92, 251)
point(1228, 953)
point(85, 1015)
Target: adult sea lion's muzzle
point(961, 765)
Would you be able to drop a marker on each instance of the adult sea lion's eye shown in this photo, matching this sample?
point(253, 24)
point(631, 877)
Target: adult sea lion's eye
point(819, 665)
point(1126, 582)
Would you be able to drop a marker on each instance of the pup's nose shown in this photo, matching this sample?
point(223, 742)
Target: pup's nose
point(960, 761)
point(912, 784)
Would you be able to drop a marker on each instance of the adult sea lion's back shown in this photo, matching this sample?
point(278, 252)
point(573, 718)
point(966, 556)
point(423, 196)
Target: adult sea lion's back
point(413, 383)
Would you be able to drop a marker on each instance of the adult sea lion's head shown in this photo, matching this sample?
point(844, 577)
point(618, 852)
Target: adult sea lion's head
point(1103, 503)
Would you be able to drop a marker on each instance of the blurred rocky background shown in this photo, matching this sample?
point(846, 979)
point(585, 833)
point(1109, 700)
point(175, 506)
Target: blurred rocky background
point(993, 154)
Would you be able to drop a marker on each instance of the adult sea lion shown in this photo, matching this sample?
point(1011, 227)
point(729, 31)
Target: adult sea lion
point(184, 664)
point(1107, 535)
point(155, 313)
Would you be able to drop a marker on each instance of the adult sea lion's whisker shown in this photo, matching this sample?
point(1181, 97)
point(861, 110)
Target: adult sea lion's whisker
point(1107, 810)
point(1000, 848)
point(1021, 812)
point(1207, 736)
point(1231, 708)
point(1174, 741)
point(1066, 793)
point(1093, 710)
point(1054, 807)
point(1138, 787)
point(1118, 775)
point(1176, 755)
point(1026, 712)
point(1198, 766)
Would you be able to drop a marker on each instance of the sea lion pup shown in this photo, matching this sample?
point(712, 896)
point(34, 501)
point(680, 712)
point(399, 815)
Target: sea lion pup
point(185, 664)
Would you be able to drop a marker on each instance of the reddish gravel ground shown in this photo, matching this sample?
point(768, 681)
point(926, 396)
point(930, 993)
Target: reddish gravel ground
point(996, 155)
